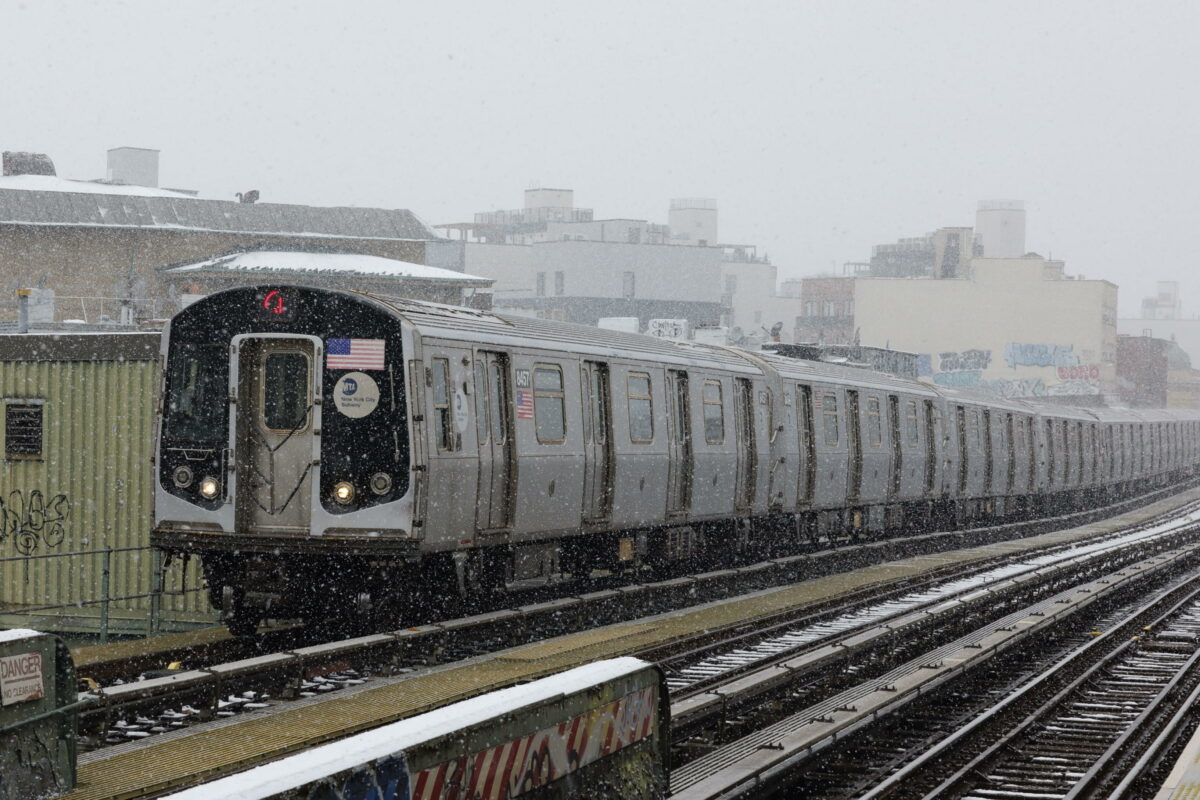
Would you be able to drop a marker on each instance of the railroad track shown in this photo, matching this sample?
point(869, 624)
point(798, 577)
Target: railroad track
point(830, 738)
point(1082, 741)
point(140, 709)
point(719, 696)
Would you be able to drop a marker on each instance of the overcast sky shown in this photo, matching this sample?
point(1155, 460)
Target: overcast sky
point(821, 128)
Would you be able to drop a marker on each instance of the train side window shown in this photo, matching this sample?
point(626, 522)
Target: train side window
point(910, 421)
point(441, 404)
point(549, 406)
point(641, 408)
point(874, 423)
point(829, 414)
point(285, 392)
point(714, 413)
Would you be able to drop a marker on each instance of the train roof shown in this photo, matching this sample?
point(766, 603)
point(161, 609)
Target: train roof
point(452, 322)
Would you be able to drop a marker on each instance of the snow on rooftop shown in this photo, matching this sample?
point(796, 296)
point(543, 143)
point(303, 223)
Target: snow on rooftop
point(298, 770)
point(338, 263)
point(51, 183)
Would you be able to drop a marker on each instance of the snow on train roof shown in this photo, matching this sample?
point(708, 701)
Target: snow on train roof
point(296, 771)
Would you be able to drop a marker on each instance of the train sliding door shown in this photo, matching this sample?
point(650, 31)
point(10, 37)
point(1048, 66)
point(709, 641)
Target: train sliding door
point(597, 443)
point(275, 441)
point(493, 509)
point(747, 458)
point(854, 429)
point(808, 447)
point(679, 444)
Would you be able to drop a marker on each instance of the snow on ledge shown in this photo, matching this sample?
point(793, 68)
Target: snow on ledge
point(269, 261)
point(17, 633)
point(295, 771)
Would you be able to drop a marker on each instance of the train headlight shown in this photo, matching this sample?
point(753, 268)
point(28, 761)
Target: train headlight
point(343, 493)
point(183, 477)
point(209, 487)
point(381, 483)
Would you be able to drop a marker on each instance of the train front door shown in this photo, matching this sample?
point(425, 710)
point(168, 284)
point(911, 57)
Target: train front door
point(276, 381)
point(679, 425)
point(597, 442)
point(493, 509)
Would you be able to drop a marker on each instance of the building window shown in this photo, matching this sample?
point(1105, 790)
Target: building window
point(22, 430)
point(559, 283)
point(810, 308)
point(828, 309)
point(627, 285)
point(641, 408)
point(714, 413)
point(541, 284)
point(549, 406)
point(849, 308)
point(829, 411)
point(441, 404)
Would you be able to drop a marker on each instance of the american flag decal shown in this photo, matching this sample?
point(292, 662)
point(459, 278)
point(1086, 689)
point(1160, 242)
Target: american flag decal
point(524, 405)
point(354, 354)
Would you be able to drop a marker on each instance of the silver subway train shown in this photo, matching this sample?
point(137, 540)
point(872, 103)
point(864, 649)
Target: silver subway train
point(336, 454)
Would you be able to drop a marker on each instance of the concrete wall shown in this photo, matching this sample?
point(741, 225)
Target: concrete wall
point(1009, 329)
point(509, 265)
point(597, 269)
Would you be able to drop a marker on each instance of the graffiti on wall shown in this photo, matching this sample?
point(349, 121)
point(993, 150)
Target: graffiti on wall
point(31, 520)
point(1082, 372)
point(971, 377)
point(1016, 387)
point(1073, 387)
point(967, 360)
point(1040, 355)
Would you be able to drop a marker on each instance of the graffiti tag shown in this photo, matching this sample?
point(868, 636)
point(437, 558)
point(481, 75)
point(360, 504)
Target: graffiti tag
point(32, 520)
point(1083, 372)
point(1040, 355)
point(1019, 387)
point(966, 360)
point(965, 378)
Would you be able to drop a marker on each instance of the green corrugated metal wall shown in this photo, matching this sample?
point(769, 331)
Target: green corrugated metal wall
point(97, 423)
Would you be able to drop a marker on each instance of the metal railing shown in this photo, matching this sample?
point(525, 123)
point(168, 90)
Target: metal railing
point(156, 594)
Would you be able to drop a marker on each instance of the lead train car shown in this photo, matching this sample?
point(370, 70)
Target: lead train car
point(329, 453)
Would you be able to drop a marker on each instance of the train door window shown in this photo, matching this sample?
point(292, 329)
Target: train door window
point(896, 436)
point(874, 422)
point(285, 388)
point(714, 413)
point(481, 403)
point(768, 399)
point(498, 418)
point(22, 429)
point(549, 405)
point(1010, 446)
point(829, 414)
point(963, 451)
point(641, 408)
point(986, 433)
point(441, 404)
point(912, 429)
point(1049, 452)
point(807, 440)
point(930, 446)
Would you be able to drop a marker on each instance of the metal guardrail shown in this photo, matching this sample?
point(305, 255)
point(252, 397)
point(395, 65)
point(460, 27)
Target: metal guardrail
point(155, 595)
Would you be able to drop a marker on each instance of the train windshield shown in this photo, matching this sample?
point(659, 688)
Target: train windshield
point(196, 391)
